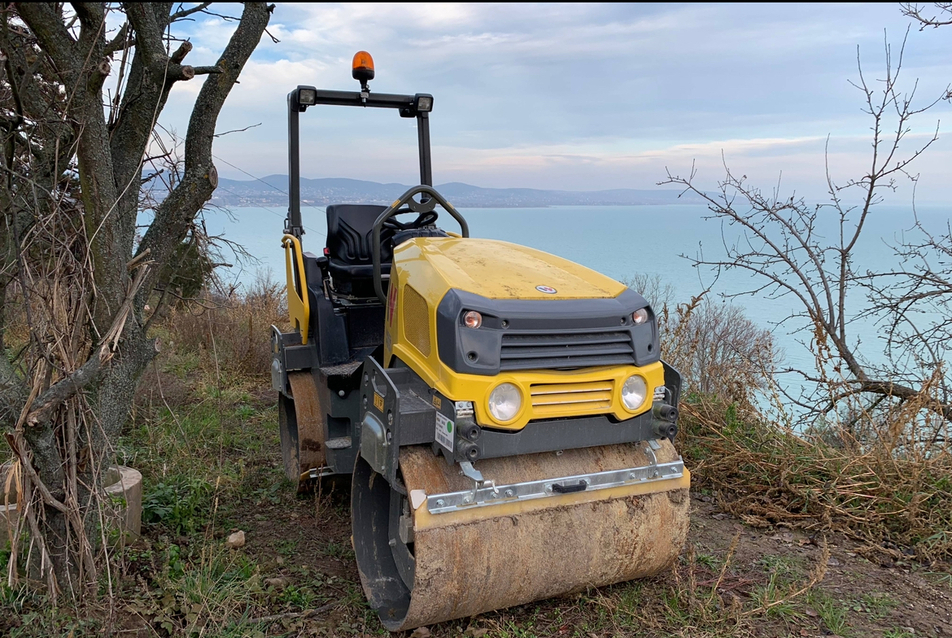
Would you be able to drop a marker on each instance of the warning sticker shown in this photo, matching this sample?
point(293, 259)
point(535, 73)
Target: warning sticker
point(444, 431)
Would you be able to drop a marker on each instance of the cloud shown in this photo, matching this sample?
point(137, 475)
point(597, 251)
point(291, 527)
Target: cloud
point(580, 95)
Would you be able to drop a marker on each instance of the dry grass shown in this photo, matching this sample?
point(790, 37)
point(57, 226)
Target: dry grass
point(898, 504)
point(880, 473)
point(231, 332)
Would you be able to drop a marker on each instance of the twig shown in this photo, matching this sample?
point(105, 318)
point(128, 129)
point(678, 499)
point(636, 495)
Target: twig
point(238, 130)
point(727, 560)
point(296, 614)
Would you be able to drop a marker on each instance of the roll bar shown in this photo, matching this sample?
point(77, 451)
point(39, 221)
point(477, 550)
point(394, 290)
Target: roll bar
point(418, 106)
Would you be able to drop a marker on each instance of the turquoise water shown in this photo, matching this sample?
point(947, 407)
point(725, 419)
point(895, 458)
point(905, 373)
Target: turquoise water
point(619, 241)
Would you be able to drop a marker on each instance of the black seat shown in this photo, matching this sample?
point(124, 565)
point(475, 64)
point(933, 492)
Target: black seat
point(350, 241)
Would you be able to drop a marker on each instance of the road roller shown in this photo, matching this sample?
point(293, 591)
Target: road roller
point(504, 414)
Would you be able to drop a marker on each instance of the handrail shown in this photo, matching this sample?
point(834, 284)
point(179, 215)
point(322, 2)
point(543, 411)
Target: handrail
point(417, 207)
point(299, 308)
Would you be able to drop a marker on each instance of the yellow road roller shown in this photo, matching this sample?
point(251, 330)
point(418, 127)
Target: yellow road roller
point(504, 414)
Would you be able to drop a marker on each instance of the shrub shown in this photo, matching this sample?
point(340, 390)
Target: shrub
point(716, 348)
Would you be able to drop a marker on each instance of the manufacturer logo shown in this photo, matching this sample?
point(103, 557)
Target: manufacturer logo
point(549, 290)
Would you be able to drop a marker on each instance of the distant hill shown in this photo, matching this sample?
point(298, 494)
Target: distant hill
point(271, 191)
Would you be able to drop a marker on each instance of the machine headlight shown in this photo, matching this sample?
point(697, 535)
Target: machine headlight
point(633, 392)
point(639, 316)
point(505, 401)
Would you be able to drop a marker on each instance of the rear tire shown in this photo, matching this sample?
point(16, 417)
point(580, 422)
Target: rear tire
point(301, 420)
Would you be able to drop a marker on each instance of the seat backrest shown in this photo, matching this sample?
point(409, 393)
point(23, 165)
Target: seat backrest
point(350, 234)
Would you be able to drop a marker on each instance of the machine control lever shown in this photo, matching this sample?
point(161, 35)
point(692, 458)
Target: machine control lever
point(470, 472)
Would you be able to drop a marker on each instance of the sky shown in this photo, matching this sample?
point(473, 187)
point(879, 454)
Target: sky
point(583, 96)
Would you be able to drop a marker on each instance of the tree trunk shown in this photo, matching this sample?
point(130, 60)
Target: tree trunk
point(71, 244)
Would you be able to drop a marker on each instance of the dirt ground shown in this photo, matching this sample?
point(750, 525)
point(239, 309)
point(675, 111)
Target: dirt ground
point(879, 596)
point(864, 592)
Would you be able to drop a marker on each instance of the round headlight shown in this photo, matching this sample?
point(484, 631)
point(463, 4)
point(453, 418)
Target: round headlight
point(633, 392)
point(505, 401)
point(639, 316)
point(472, 319)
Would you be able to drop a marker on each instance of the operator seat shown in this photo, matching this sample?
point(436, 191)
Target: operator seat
point(350, 247)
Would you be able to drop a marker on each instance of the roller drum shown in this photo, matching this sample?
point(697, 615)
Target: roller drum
point(477, 559)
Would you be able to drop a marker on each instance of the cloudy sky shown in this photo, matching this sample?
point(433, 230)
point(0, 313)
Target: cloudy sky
point(581, 97)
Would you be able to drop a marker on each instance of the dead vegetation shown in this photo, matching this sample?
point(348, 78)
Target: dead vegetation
point(884, 478)
point(899, 504)
point(230, 329)
point(204, 436)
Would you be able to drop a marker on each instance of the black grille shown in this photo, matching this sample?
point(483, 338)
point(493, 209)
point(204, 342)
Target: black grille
point(541, 350)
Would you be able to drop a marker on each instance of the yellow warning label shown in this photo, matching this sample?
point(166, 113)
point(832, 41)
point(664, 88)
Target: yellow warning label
point(378, 402)
point(437, 403)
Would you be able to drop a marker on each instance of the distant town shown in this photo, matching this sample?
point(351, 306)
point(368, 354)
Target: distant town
point(272, 191)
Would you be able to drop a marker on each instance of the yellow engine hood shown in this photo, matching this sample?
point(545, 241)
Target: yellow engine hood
point(500, 270)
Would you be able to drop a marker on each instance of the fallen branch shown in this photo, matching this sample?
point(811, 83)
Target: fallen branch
point(296, 614)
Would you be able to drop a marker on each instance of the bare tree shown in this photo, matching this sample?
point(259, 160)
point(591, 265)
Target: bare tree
point(74, 282)
point(807, 252)
point(939, 15)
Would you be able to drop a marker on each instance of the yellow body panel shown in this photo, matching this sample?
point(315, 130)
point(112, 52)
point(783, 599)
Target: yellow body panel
point(299, 309)
point(500, 270)
point(424, 269)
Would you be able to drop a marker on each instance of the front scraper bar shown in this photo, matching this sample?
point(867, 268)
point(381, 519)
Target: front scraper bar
point(482, 496)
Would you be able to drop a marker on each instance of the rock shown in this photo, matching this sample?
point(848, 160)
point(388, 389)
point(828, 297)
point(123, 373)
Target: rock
point(279, 560)
point(280, 583)
point(235, 540)
point(421, 632)
point(833, 562)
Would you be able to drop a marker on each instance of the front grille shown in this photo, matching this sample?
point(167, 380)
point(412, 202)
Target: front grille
point(558, 399)
point(561, 350)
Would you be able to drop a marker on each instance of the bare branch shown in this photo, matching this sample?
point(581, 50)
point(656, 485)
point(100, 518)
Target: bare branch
point(940, 16)
point(119, 42)
point(238, 130)
point(44, 405)
point(207, 70)
point(53, 35)
point(184, 13)
point(781, 241)
point(201, 176)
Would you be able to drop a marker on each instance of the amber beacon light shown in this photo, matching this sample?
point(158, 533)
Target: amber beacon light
point(363, 67)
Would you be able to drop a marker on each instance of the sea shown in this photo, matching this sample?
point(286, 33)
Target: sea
point(623, 242)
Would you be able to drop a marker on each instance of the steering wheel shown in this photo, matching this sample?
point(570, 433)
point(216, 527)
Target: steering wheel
point(423, 219)
point(426, 216)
